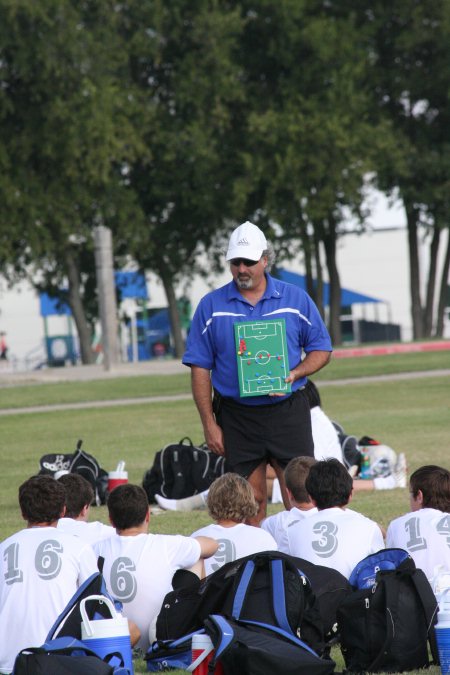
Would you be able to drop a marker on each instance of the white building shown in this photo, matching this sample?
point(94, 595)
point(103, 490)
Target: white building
point(375, 263)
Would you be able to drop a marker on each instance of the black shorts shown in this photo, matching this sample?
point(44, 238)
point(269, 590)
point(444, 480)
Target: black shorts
point(254, 434)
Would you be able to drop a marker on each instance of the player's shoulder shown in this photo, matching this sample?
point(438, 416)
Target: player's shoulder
point(285, 287)
point(206, 531)
point(217, 294)
point(15, 537)
point(359, 517)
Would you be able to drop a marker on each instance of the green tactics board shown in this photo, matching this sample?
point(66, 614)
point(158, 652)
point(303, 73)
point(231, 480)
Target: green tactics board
point(262, 357)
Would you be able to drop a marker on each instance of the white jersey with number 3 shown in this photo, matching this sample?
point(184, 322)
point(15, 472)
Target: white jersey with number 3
point(235, 542)
point(138, 571)
point(42, 569)
point(425, 534)
point(335, 537)
point(277, 525)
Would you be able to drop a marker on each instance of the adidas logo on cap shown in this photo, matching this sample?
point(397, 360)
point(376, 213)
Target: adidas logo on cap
point(243, 242)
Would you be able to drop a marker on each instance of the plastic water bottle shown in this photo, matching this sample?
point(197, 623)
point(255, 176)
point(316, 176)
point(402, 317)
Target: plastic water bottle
point(442, 630)
point(365, 471)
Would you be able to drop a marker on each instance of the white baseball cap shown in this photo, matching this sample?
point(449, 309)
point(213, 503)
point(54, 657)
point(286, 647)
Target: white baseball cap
point(246, 241)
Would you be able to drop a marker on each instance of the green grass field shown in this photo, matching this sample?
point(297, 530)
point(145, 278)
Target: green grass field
point(412, 416)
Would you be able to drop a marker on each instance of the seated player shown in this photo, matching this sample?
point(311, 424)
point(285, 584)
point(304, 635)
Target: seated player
point(139, 566)
point(42, 569)
point(79, 496)
point(425, 531)
point(231, 502)
point(335, 536)
point(301, 506)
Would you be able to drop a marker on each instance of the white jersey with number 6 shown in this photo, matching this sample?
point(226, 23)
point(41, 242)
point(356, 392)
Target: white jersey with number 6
point(138, 571)
point(42, 569)
point(425, 534)
point(335, 537)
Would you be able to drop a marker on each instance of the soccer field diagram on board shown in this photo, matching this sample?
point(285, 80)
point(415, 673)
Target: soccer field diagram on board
point(262, 357)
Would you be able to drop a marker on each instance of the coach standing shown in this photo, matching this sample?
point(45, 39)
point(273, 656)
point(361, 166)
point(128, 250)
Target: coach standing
point(252, 431)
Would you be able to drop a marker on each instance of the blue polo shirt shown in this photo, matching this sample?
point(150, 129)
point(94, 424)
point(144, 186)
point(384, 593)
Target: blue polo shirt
point(211, 343)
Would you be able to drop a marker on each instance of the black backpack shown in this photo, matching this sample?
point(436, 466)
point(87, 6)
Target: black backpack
point(386, 625)
point(267, 587)
point(330, 588)
point(88, 467)
point(78, 462)
point(65, 656)
point(181, 470)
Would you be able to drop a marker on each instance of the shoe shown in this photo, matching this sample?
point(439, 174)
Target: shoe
point(166, 504)
point(353, 470)
point(186, 504)
point(400, 472)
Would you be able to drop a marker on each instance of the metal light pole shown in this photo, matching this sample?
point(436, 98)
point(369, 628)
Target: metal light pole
point(106, 295)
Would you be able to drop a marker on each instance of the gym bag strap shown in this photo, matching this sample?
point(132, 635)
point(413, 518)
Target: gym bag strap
point(278, 596)
point(430, 608)
point(171, 654)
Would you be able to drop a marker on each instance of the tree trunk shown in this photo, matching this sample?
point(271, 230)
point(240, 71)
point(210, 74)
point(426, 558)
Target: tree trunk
point(443, 292)
point(432, 271)
point(76, 305)
point(335, 283)
point(306, 242)
point(175, 323)
point(414, 270)
point(319, 275)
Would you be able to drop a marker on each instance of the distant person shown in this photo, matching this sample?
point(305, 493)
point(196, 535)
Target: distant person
point(335, 536)
point(79, 497)
point(301, 505)
point(425, 531)
point(231, 504)
point(42, 568)
point(139, 566)
point(252, 431)
point(3, 347)
point(327, 445)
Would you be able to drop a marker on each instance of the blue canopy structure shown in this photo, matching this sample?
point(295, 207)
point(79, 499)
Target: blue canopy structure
point(348, 297)
point(131, 285)
point(51, 306)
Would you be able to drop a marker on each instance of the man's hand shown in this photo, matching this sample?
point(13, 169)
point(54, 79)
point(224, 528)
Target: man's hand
point(214, 438)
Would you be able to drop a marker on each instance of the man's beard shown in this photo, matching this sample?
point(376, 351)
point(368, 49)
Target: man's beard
point(245, 284)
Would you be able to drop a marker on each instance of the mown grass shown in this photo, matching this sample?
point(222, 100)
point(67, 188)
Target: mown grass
point(410, 415)
point(140, 386)
point(143, 386)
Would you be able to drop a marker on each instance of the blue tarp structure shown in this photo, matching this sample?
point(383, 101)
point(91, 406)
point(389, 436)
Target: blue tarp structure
point(53, 306)
point(348, 297)
point(131, 285)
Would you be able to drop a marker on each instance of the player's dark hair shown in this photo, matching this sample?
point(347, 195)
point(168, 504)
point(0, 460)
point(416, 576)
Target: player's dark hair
point(42, 499)
point(434, 483)
point(312, 394)
point(329, 483)
point(79, 493)
point(231, 497)
point(295, 476)
point(127, 506)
